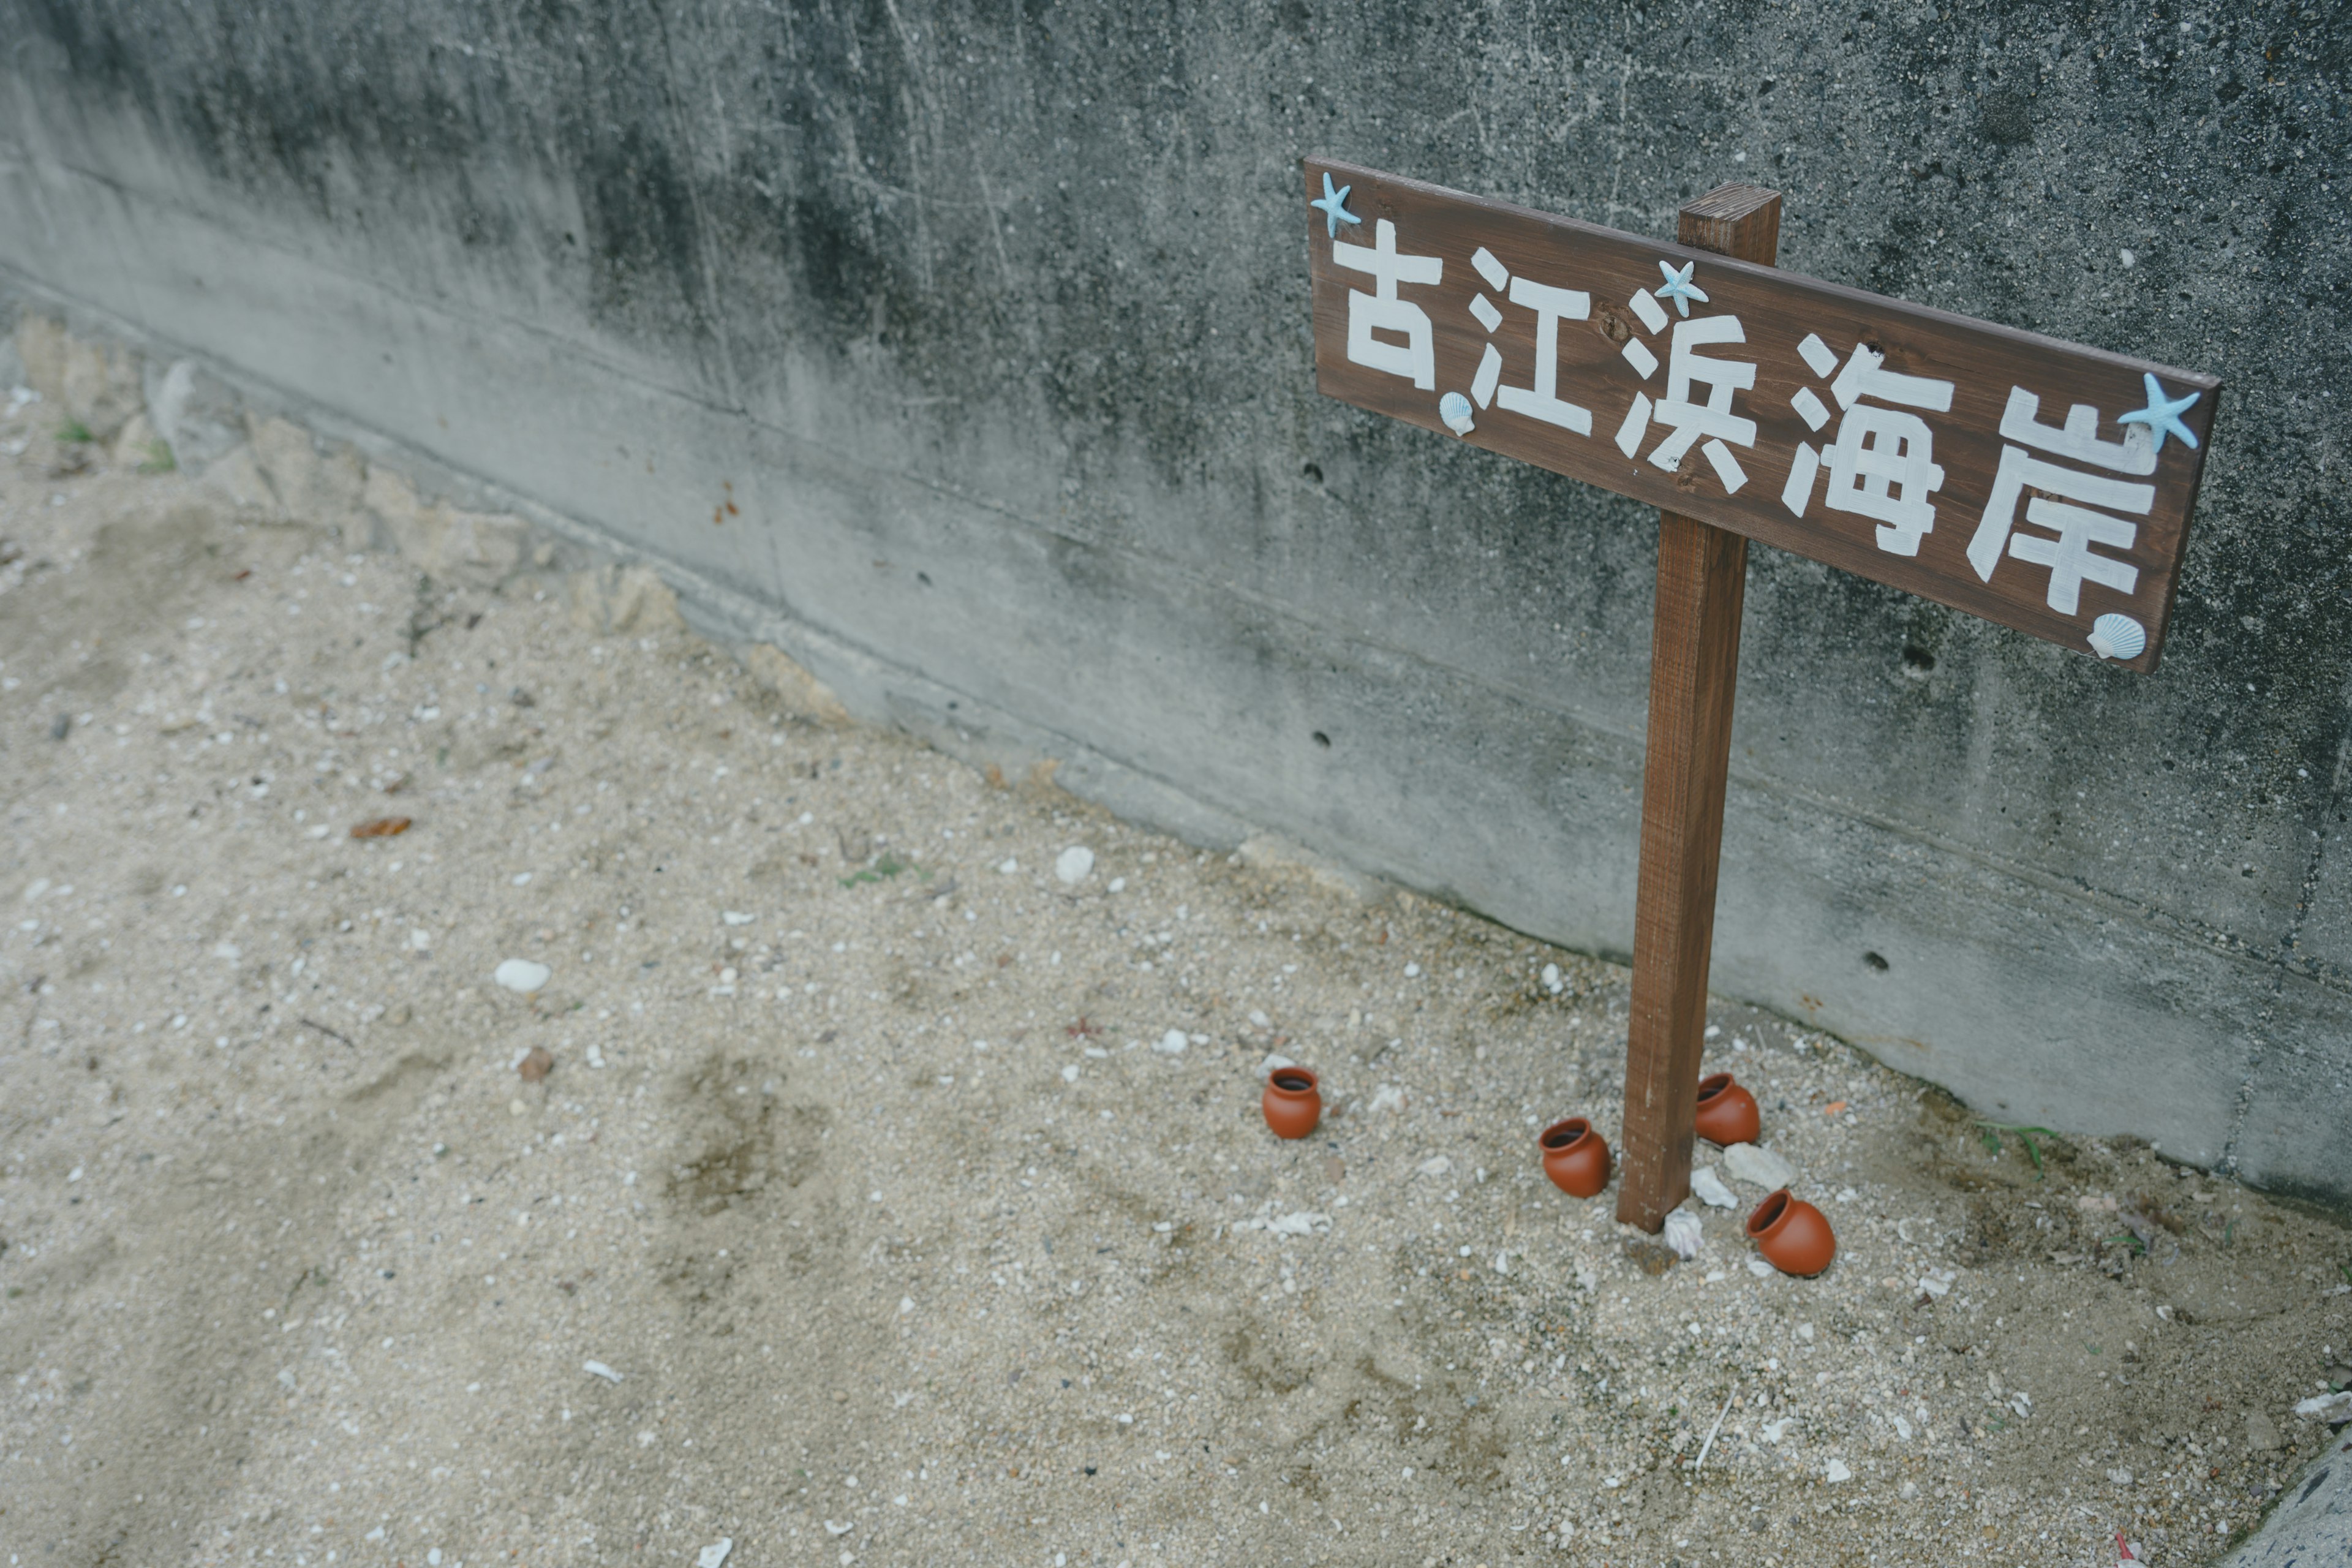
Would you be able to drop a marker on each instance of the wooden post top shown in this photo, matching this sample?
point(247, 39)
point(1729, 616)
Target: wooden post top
point(1733, 220)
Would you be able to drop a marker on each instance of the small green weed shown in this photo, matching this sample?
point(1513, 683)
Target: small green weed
point(888, 865)
point(159, 459)
point(1990, 1132)
point(75, 430)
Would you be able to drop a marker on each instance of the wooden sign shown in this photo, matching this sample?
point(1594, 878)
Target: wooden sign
point(2042, 485)
point(2039, 484)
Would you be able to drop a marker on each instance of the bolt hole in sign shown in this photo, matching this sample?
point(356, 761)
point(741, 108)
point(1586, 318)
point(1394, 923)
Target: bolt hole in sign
point(2039, 484)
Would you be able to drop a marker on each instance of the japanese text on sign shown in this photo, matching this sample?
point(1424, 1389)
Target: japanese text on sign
point(2043, 485)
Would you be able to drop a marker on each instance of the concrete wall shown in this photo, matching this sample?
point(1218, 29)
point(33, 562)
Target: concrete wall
point(989, 321)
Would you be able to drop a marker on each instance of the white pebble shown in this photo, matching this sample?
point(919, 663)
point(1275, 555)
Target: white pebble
point(1709, 1188)
point(1074, 865)
point(1172, 1044)
point(733, 919)
point(598, 1369)
point(715, 1554)
point(522, 974)
point(1836, 1471)
point(1010, 866)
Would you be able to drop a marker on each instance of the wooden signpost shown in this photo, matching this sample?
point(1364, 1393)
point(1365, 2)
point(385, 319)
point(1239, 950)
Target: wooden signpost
point(2042, 485)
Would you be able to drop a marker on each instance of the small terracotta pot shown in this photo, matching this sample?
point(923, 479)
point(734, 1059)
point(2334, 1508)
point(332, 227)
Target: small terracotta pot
point(1292, 1102)
point(1726, 1112)
point(1575, 1157)
point(1794, 1235)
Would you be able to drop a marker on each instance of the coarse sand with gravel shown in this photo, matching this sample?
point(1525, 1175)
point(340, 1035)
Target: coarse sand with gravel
point(868, 1181)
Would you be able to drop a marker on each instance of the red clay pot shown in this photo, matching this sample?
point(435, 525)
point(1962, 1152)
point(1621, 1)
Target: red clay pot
point(1293, 1103)
point(1575, 1157)
point(1726, 1112)
point(1794, 1235)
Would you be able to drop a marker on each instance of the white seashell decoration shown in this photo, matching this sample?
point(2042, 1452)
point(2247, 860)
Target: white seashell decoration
point(1685, 1234)
point(1455, 409)
point(2118, 637)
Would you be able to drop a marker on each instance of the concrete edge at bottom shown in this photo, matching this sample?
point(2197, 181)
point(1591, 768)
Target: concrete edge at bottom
point(2312, 1525)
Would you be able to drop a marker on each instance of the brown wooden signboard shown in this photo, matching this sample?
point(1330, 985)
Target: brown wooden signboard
point(2042, 485)
point(1987, 469)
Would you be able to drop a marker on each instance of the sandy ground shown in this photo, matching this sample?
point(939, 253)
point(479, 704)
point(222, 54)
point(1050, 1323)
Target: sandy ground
point(869, 1170)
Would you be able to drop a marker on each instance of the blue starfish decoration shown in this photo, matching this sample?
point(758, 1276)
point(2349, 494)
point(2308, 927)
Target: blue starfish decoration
point(1679, 288)
point(2162, 414)
point(1334, 206)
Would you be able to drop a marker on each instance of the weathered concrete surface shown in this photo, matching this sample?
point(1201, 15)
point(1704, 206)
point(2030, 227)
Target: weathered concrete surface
point(962, 352)
point(2311, 1526)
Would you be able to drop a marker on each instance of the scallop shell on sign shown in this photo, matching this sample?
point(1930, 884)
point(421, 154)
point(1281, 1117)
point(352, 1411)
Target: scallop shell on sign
point(1454, 410)
point(2118, 637)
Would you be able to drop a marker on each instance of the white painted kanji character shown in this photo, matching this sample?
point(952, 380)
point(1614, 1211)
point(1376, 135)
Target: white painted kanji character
point(2069, 556)
point(1713, 419)
point(1415, 359)
point(1540, 399)
point(1691, 422)
point(1882, 464)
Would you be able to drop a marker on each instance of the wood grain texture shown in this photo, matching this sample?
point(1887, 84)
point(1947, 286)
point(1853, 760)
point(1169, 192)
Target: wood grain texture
point(1694, 675)
point(1778, 311)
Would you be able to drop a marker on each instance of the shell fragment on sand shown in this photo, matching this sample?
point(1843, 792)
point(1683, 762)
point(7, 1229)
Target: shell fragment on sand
point(1709, 1188)
point(1305, 1222)
point(2333, 1408)
point(1758, 1166)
